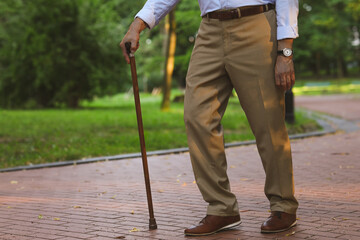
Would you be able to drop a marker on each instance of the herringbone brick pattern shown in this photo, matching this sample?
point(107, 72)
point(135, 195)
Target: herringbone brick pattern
point(107, 200)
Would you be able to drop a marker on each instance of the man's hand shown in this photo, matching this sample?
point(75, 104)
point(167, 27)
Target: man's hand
point(284, 68)
point(133, 36)
point(284, 73)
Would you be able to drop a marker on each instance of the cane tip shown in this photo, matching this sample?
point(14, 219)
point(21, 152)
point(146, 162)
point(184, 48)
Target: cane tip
point(152, 224)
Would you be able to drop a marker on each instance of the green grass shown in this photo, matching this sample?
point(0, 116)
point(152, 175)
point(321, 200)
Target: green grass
point(331, 86)
point(104, 127)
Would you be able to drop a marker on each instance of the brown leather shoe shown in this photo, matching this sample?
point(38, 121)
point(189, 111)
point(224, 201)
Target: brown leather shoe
point(278, 222)
point(212, 224)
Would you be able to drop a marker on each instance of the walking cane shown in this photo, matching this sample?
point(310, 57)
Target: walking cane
point(152, 221)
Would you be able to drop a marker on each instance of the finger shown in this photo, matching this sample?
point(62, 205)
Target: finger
point(277, 78)
point(292, 78)
point(292, 73)
point(288, 82)
point(134, 46)
point(283, 82)
point(126, 56)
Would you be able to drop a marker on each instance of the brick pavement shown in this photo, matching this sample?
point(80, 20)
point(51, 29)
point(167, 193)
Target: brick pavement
point(342, 105)
point(107, 200)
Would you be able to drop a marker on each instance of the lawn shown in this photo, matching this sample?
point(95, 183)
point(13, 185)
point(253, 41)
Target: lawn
point(106, 127)
point(329, 86)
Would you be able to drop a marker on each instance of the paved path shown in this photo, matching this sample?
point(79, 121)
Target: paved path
point(107, 200)
point(344, 106)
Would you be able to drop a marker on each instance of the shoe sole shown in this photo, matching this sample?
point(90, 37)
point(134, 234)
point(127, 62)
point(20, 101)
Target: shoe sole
point(280, 230)
point(218, 230)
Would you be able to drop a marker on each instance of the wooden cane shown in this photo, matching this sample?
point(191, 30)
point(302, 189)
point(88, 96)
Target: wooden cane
point(152, 221)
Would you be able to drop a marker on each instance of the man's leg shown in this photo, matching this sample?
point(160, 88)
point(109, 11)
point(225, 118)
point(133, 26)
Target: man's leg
point(250, 56)
point(208, 89)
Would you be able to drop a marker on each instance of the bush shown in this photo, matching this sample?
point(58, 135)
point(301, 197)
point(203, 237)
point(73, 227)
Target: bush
point(50, 56)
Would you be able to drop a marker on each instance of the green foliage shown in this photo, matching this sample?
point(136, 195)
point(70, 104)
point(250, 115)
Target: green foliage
point(327, 32)
point(353, 7)
point(55, 53)
point(48, 61)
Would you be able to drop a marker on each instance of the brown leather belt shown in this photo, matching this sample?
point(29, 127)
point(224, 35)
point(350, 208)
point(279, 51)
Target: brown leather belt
point(239, 12)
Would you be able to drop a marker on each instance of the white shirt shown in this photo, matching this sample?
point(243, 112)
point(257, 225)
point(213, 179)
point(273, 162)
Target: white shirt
point(286, 12)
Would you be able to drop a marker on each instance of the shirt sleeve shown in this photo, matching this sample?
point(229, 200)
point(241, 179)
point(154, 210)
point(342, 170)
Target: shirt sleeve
point(286, 14)
point(155, 10)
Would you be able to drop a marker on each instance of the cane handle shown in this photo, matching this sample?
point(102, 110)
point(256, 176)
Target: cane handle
point(128, 49)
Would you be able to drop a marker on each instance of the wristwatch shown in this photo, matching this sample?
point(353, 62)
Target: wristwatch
point(286, 52)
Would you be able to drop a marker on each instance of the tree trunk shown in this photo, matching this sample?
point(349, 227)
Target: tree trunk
point(318, 65)
point(73, 101)
point(344, 67)
point(328, 69)
point(170, 47)
point(340, 70)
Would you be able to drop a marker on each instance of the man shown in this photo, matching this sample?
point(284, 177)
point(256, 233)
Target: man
point(245, 45)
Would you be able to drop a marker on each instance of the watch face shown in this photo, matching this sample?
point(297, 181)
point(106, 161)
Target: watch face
point(287, 52)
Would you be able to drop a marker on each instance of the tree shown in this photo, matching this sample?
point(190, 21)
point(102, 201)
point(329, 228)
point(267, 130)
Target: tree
point(326, 33)
point(178, 63)
point(47, 62)
point(188, 20)
point(170, 46)
point(56, 53)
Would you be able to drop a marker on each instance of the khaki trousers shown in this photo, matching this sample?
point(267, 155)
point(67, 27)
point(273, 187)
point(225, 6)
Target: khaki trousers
point(240, 54)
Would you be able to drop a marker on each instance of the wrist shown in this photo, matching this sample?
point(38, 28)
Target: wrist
point(285, 43)
point(283, 58)
point(138, 25)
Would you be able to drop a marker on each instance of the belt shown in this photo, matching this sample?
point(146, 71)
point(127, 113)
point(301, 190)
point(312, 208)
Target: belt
point(239, 12)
